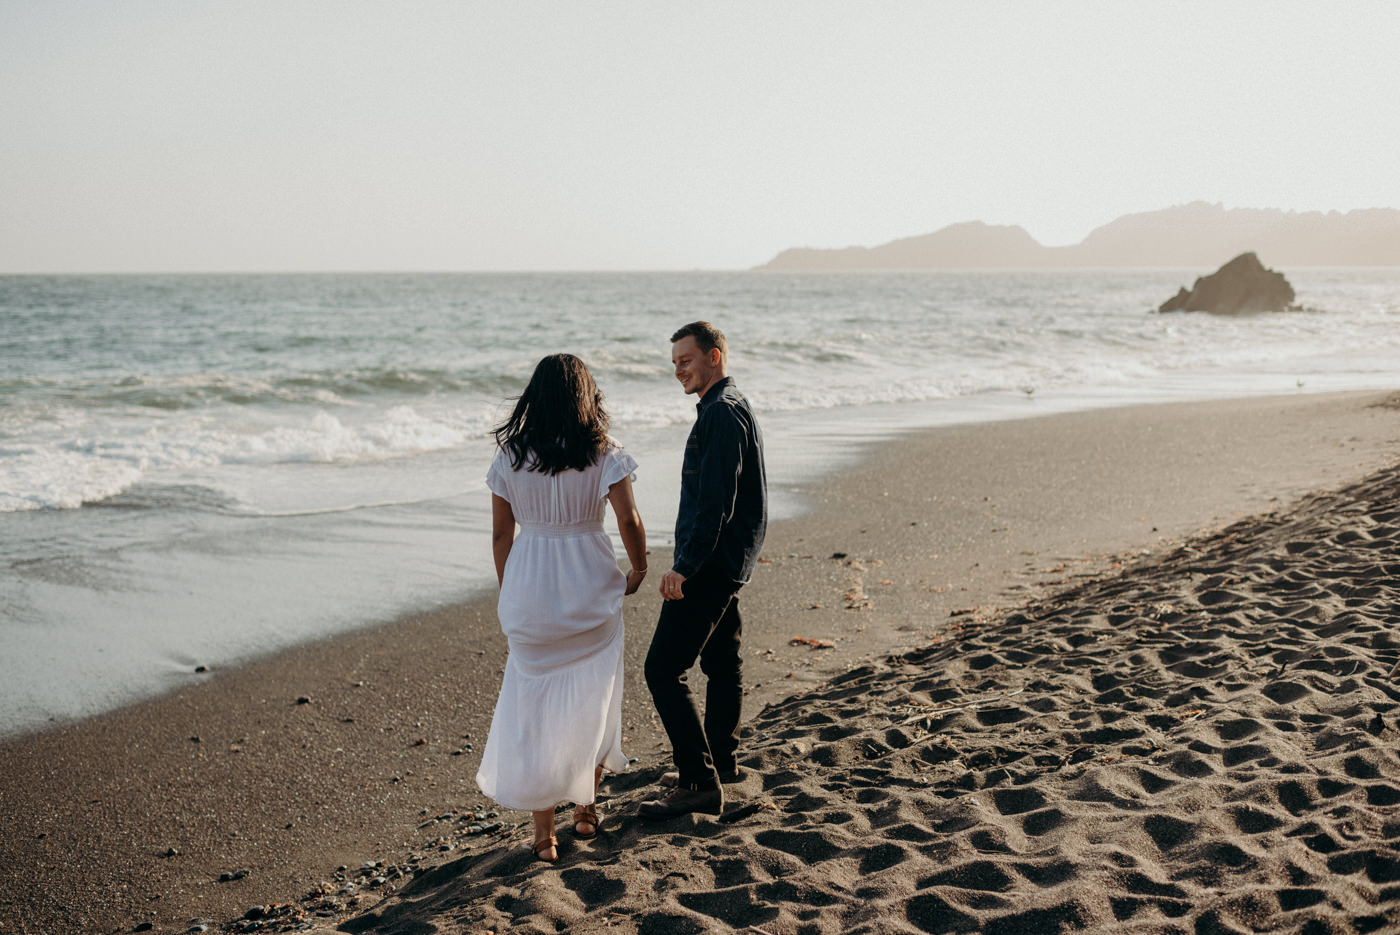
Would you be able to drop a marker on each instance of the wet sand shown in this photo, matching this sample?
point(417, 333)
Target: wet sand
point(1080, 675)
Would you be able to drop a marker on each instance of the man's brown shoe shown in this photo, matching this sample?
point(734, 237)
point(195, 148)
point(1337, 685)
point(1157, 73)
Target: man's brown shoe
point(670, 778)
point(682, 800)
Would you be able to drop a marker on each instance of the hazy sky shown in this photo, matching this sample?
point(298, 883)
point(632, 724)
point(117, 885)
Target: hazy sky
point(293, 135)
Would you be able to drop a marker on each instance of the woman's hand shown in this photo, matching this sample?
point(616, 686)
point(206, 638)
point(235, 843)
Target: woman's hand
point(634, 580)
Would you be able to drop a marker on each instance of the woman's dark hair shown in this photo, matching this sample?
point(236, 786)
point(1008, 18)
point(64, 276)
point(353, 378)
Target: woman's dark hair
point(558, 423)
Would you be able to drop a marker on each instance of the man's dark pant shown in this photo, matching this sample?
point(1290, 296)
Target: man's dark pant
point(704, 623)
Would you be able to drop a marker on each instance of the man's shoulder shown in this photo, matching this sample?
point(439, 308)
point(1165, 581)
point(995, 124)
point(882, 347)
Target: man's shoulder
point(729, 403)
point(730, 393)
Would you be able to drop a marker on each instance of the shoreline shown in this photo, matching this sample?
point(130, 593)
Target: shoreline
point(135, 644)
point(936, 528)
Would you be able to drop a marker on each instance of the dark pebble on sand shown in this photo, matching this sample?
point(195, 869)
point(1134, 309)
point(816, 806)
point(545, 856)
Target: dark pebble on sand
point(839, 554)
point(201, 669)
point(144, 927)
point(303, 699)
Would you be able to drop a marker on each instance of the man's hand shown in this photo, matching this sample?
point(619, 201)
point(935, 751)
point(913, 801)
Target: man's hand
point(671, 585)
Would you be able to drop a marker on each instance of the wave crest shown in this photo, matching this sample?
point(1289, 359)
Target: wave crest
point(67, 474)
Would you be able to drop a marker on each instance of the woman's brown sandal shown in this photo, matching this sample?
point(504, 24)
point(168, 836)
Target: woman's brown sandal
point(586, 815)
point(544, 844)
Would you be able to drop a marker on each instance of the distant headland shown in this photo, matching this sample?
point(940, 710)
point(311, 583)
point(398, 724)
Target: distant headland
point(1193, 235)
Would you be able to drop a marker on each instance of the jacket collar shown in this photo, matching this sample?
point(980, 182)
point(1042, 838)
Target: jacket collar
point(713, 393)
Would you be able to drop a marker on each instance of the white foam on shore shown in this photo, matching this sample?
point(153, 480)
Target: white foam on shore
point(67, 473)
point(34, 478)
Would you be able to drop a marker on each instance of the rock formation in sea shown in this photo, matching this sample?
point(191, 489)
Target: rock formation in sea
point(1242, 285)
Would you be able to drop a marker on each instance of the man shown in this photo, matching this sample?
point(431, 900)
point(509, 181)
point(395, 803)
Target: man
point(719, 530)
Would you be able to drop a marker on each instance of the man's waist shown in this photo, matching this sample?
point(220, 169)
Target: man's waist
point(731, 552)
point(738, 530)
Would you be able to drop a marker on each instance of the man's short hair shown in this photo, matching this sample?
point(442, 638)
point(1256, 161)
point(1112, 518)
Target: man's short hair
point(706, 335)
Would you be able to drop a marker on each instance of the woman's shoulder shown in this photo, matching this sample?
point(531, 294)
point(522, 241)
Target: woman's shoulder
point(508, 462)
point(612, 448)
point(499, 473)
point(615, 460)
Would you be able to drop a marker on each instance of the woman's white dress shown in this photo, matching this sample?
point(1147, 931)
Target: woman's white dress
point(559, 713)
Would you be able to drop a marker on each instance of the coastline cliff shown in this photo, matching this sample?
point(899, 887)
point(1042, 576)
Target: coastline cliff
point(1196, 234)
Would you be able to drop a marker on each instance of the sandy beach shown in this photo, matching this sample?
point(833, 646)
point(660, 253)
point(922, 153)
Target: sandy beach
point(1117, 670)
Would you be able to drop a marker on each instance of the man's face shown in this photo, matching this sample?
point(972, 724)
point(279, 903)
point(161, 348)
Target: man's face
point(696, 369)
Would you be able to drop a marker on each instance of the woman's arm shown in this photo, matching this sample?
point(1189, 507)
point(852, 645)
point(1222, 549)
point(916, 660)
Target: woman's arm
point(502, 533)
point(629, 527)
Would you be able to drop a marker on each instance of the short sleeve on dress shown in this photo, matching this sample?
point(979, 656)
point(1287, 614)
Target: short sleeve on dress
point(496, 474)
point(617, 464)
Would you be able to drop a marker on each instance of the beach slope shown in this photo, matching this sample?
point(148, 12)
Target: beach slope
point(1203, 741)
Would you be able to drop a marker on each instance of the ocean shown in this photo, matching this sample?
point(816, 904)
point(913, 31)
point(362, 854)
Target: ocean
point(198, 470)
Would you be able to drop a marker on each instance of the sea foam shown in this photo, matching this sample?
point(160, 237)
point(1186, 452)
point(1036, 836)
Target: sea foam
point(66, 474)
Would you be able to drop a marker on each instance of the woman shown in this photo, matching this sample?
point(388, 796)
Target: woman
point(558, 721)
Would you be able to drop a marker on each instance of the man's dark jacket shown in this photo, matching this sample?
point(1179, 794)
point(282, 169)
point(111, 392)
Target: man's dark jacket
point(724, 490)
